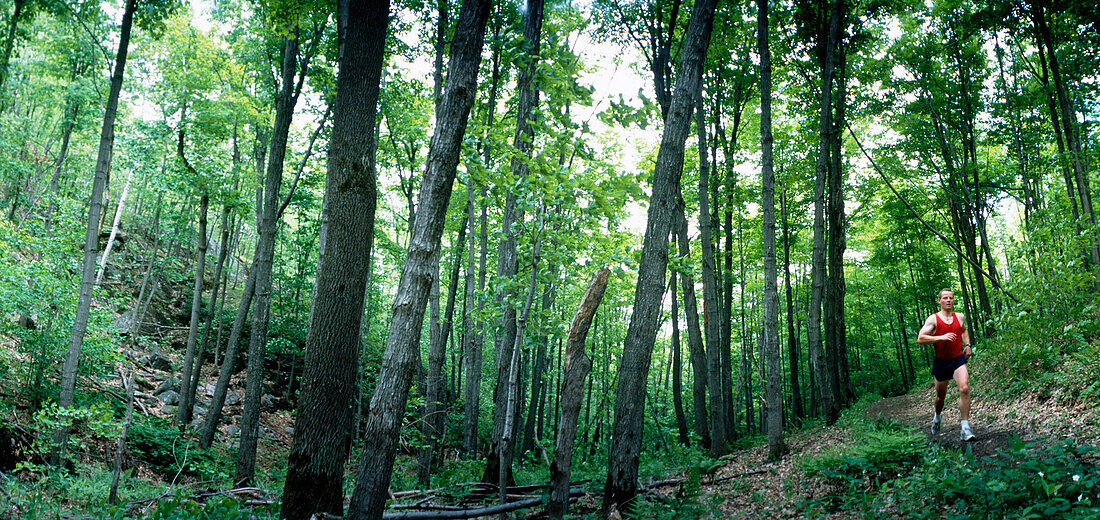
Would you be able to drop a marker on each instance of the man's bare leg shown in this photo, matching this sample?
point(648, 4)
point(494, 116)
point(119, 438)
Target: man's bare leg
point(941, 393)
point(962, 379)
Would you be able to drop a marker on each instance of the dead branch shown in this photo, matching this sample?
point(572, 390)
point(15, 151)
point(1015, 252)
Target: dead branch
point(472, 512)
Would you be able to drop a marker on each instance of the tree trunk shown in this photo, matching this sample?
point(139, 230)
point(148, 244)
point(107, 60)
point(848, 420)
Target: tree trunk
point(538, 374)
point(1069, 128)
point(697, 353)
point(315, 467)
point(829, 407)
point(777, 447)
point(577, 364)
point(622, 473)
point(387, 407)
point(9, 43)
point(183, 412)
point(793, 347)
point(527, 99)
point(476, 341)
point(95, 208)
point(263, 259)
point(677, 368)
point(114, 228)
point(435, 409)
point(835, 320)
point(718, 427)
point(215, 310)
point(214, 414)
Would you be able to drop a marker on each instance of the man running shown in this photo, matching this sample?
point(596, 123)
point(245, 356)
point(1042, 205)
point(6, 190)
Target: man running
point(947, 331)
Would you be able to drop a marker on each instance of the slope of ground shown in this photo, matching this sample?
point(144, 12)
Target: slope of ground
point(782, 490)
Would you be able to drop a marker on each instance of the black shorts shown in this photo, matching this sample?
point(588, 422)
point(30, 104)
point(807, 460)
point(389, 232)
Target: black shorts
point(944, 369)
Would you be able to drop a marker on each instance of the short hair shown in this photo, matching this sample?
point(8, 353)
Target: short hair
point(940, 294)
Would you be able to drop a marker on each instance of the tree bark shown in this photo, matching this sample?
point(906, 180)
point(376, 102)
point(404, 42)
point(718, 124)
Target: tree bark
point(435, 409)
point(677, 369)
point(264, 256)
point(95, 209)
point(315, 468)
point(527, 99)
point(777, 447)
point(793, 347)
point(697, 353)
point(718, 427)
point(387, 407)
point(577, 364)
point(820, 370)
point(622, 473)
point(114, 228)
point(183, 412)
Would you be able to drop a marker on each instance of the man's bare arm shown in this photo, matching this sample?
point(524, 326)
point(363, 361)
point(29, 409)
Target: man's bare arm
point(965, 335)
point(925, 337)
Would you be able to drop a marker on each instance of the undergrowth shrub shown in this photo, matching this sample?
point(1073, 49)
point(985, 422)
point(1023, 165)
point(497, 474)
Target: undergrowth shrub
point(688, 503)
point(156, 442)
point(224, 508)
point(1058, 481)
point(882, 452)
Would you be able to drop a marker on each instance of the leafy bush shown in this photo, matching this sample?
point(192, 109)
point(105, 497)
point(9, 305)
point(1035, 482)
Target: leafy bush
point(881, 453)
point(685, 504)
point(224, 508)
point(159, 444)
point(1025, 481)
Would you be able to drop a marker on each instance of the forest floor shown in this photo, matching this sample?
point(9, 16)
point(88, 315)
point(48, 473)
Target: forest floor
point(749, 486)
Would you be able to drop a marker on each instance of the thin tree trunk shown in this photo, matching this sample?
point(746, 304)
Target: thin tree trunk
point(315, 467)
point(829, 408)
point(95, 208)
point(777, 447)
point(697, 353)
point(435, 408)
point(527, 97)
point(114, 228)
point(128, 384)
point(9, 43)
point(577, 364)
point(677, 369)
point(719, 430)
point(793, 347)
point(183, 412)
point(402, 343)
point(622, 482)
point(264, 257)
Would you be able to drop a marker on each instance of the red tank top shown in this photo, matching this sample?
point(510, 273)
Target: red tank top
point(948, 349)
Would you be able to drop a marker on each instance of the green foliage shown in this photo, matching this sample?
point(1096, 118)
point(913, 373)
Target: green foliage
point(1024, 481)
point(687, 503)
point(156, 442)
point(881, 451)
point(224, 508)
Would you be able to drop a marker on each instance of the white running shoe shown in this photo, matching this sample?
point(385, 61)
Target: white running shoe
point(965, 434)
point(935, 427)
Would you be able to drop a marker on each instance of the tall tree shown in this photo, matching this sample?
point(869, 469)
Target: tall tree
point(776, 445)
point(829, 406)
point(696, 352)
point(315, 468)
point(622, 472)
point(527, 99)
point(402, 344)
point(91, 239)
point(263, 258)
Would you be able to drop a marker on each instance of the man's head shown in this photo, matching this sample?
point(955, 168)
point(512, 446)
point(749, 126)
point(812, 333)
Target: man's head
point(946, 299)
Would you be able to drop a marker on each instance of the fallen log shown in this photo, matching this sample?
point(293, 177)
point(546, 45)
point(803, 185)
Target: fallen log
point(453, 514)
